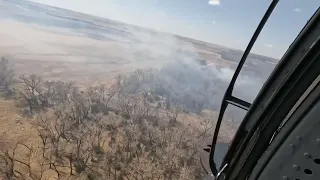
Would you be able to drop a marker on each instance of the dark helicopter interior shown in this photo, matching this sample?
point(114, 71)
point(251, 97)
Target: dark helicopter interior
point(278, 138)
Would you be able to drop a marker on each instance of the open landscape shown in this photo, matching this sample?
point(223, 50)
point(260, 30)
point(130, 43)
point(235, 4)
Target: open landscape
point(83, 97)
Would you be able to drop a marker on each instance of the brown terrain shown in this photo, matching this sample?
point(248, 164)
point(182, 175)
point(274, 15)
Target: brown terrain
point(49, 130)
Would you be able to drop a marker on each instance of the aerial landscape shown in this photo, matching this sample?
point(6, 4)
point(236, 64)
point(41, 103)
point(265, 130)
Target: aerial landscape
point(85, 97)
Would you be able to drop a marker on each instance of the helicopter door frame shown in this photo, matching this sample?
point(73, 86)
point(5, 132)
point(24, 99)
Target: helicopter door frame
point(292, 76)
point(230, 99)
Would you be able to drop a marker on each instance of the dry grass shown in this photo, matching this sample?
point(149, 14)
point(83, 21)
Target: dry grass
point(14, 127)
point(17, 129)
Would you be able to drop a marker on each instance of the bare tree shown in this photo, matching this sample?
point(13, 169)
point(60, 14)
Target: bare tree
point(206, 128)
point(57, 92)
point(100, 97)
point(140, 142)
point(12, 166)
point(32, 93)
point(6, 75)
point(112, 91)
point(172, 115)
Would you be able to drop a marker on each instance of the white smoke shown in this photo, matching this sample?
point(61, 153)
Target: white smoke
point(176, 58)
point(179, 69)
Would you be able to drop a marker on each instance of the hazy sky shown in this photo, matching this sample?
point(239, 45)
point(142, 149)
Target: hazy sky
point(225, 22)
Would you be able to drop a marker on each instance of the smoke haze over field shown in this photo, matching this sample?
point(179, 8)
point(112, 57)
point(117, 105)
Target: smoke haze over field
point(85, 97)
point(89, 49)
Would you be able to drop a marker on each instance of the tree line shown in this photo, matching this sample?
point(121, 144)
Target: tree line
point(123, 131)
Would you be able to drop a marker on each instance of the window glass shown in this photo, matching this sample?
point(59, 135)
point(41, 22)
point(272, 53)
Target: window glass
point(128, 89)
